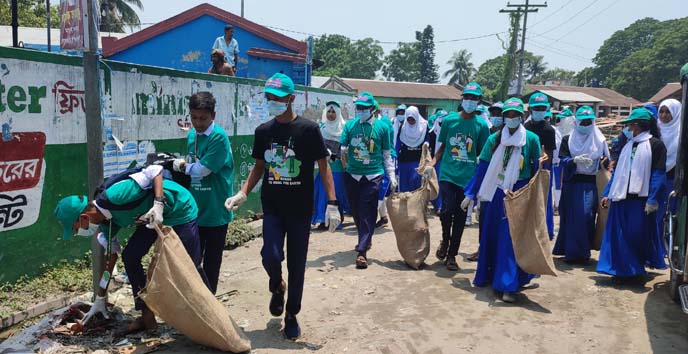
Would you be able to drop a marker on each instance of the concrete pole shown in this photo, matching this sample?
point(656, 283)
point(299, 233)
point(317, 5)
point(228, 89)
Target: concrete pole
point(15, 24)
point(519, 84)
point(47, 7)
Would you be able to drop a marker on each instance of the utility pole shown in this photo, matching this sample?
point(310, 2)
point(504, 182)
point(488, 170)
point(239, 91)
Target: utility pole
point(47, 7)
point(15, 24)
point(242, 8)
point(524, 9)
point(94, 128)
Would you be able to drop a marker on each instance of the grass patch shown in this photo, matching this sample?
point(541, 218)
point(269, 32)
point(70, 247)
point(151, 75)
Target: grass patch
point(239, 232)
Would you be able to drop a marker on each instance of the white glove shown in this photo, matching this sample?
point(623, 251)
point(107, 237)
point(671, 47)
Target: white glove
point(116, 247)
point(332, 217)
point(179, 165)
point(233, 203)
point(466, 203)
point(154, 215)
point(393, 183)
point(583, 161)
point(98, 307)
point(651, 208)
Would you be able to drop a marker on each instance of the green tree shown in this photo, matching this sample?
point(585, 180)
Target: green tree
point(534, 66)
point(342, 57)
point(402, 63)
point(510, 56)
point(556, 74)
point(428, 68)
point(583, 77)
point(462, 69)
point(32, 13)
point(490, 75)
point(115, 15)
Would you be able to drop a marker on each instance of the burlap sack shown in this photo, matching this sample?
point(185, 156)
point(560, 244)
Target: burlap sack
point(407, 215)
point(176, 293)
point(601, 179)
point(526, 211)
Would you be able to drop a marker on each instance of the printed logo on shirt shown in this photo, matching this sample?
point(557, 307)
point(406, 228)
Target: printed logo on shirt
point(460, 147)
point(283, 166)
point(361, 150)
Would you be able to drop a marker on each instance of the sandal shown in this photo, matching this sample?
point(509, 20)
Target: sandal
point(473, 257)
point(361, 262)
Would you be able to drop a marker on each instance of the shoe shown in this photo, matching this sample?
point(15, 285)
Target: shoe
point(291, 327)
point(382, 222)
point(441, 252)
point(451, 264)
point(469, 220)
point(361, 261)
point(277, 300)
point(508, 297)
point(473, 257)
point(322, 226)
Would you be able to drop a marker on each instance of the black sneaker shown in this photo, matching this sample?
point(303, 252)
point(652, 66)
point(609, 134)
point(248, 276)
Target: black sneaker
point(277, 301)
point(291, 327)
point(451, 264)
point(381, 223)
point(441, 252)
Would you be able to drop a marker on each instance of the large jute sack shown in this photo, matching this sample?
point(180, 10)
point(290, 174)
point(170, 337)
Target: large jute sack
point(601, 179)
point(526, 211)
point(407, 215)
point(176, 293)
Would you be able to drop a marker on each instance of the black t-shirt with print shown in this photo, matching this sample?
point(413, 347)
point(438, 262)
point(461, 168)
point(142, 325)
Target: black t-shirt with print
point(290, 151)
point(545, 132)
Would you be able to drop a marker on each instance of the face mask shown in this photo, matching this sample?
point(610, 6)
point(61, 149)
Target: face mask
point(92, 230)
point(497, 121)
point(363, 115)
point(469, 106)
point(538, 116)
point(276, 108)
point(512, 122)
point(628, 133)
point(584, 129)
point(400, 117)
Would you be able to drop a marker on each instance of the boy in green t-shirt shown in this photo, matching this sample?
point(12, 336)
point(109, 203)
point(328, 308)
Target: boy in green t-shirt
point(211, 168)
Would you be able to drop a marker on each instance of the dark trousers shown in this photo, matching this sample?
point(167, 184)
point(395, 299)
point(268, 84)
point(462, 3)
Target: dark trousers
point(212, 245)
point(140, 243)
point(452, 216)
point(363, 197)
point(297, 232)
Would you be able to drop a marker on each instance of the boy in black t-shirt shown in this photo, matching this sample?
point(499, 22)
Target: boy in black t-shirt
point(285, 149)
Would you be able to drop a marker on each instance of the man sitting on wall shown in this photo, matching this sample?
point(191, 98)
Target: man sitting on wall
point(229, 46)
point(220, 66)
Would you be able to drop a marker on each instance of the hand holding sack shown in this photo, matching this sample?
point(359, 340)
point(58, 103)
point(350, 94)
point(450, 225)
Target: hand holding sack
point(154, 215)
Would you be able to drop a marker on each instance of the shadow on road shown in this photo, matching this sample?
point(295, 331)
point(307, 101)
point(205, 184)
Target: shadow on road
point(667, 325)
point(634, 284)
point(492, 298)
point(271, 337)
point(567, 267)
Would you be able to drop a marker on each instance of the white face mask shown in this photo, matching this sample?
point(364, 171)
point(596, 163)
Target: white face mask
point(400, 117)
point(92, 230)
point(363, 115)
point(512, 122)
point(276, 108)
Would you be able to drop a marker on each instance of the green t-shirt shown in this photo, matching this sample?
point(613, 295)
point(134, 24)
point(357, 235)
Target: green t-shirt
point(388, 122)
point(336, 166)
point(215, 153)
point(531, 153)
point(463, 140)
point(366, 142)
point(180, 206)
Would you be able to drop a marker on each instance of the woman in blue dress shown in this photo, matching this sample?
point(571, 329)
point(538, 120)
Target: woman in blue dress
point(412, 135)
point(670, 126)
point(580, 155)
point(507, 162)
point(631, 240)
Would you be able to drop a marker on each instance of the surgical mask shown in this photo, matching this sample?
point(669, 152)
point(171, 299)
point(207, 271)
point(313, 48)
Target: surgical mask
point(469, 106)
point(363, 115)
point(400, 117)
point(538, 116)
point(92, 230)
point(628, 133)
point(276, 108)
point(584, 129)
point(512, 122)
point(497, 121)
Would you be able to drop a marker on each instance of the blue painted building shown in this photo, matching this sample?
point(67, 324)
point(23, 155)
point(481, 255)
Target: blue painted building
point(185, 41)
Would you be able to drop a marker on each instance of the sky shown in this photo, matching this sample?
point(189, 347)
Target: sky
point(567, 32)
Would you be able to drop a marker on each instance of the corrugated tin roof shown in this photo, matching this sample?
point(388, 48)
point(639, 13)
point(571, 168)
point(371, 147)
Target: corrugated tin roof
point(571, 96)
point(319, 81)
point(394, 89)
point(668, 90)
point(609, 97)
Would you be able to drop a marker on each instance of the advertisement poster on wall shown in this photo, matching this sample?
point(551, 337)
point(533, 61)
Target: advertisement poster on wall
point(73, 29)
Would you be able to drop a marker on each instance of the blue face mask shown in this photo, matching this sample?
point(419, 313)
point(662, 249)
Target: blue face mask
point(363, 115)
point(400, 117)
point(469, 106)
point(497, 121)
point(585, 129)
point(628, 133)
point(538, 116)
point(276, 108)
point(512, 123)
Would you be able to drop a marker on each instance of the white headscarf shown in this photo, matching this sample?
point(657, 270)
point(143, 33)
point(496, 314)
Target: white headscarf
point(413, 135)
point(633, 171)
point(437, 128)
point(671, 131)
point(332, 130)
point(594, 145)
point(497, 175)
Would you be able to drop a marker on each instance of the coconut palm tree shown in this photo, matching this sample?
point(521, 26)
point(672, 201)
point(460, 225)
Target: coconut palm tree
point(536, 66)
point(115, 15)
point(462, 69)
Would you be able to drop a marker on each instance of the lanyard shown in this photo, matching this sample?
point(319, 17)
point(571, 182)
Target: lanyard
point(507, 156)
point(370, 143)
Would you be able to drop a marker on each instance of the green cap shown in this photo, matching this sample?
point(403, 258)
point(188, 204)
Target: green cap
point(684, 70)
point(585, 112)
point(68, 211)
point(481, 108)
point(473, 88)
point(538, 100)
point(401, 107)
point(565, 113)
point(279, 85)
point(638, 114)
point(365, 99)
point(513, 104)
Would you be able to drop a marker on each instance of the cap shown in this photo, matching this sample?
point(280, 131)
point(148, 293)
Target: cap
point(538, 100)
point(585, 112)
point(279, 85)
point(481, 108)
point(473, 88)
point(401, 107)
point(638, 114)
point(365, 99)
point(513, 104)
point(565, 113)
point(67, 212)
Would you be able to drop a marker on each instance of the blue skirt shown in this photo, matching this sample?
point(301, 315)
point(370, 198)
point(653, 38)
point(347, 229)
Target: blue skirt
point(556, 176)
point(550, 211)
point(437, 203)
point(577, 212)
point(630, 240)
point(409, 179)
point(320, 197)
point(496, 260)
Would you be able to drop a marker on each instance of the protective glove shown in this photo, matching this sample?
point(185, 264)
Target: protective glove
point(651, 208)
point(179, 165)
point(116, 247)
point(332, 217)
point(466, 203)
point(98, 307)
point(583, 161)
point(154, 215)
point(233, 203)
point(393, 183)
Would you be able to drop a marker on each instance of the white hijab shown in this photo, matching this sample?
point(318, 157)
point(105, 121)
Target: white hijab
point(633, 171)
point(594, 145)
point(413, 135)
point(671, 131)
point(332, 130)
point(496, 169)
point(437, 129)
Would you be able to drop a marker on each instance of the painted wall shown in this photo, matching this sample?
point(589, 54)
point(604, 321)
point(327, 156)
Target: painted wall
point(43, 151)
point(188, 47)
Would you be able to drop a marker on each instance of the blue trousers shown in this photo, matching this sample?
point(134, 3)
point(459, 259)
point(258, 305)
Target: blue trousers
point(140, 243)
point(212, 245)
point(453, 218)
point(297, 232)
point(363, 196)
